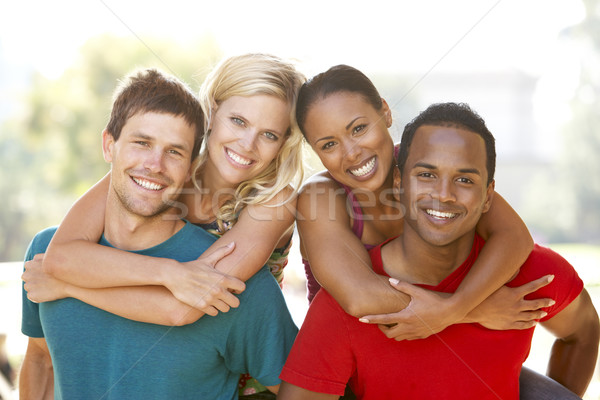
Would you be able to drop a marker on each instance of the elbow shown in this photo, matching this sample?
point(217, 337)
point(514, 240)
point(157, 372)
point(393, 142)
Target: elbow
point(52, 264)
point(182, 316)
point(353, 305)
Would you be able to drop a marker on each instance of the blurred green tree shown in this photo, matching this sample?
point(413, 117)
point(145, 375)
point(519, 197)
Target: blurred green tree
point(580, 168)
point(564, 202)
point(51, 153)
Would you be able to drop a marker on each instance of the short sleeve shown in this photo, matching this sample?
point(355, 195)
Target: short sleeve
point(30, 319)
point(262, 332)
point(321, 359)
point(565, 287)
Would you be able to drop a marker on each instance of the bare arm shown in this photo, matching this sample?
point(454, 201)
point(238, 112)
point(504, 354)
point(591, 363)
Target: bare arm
point(575, 351)
point(508, 244)
point(343, 267)
point(36, 379)
point(258, 231)
point(288, 391)
point(153, 304)
point(337, 257)
point(75, 257)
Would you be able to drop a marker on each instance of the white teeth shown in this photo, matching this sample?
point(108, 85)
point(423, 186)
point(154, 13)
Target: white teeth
point(238, 159)
point(439, 214)
point(147, 185)
point(365, 169)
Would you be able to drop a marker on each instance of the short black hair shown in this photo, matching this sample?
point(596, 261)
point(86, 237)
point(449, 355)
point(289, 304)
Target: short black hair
point(337, 79)
point(457, 115)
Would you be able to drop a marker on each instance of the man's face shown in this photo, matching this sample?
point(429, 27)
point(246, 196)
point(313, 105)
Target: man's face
point(444, 184)
point(150, 161)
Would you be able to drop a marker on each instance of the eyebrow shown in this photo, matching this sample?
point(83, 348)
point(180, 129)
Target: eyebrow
point(351, 122)
point(346, 127)
point(323, 138)
point(425, 165)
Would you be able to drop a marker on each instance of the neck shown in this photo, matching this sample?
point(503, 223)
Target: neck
point(410, 258)
point(128, 231)
point(202, 204)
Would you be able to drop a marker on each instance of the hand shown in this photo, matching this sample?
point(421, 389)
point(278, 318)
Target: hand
point(507, 307)
point(201, 286)
point(39, 285)
point(427, 313)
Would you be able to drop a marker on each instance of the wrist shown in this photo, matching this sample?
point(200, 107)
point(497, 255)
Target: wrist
point(165, 270)
point(458, 307)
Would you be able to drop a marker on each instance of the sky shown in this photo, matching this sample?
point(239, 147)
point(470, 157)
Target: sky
point(376, 36)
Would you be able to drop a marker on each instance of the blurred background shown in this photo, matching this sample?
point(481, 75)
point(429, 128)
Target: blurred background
point(530, 68)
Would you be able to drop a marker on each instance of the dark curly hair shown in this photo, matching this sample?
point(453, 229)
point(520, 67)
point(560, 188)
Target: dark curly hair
point(458, 115)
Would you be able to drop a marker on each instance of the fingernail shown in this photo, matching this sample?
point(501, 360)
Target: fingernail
point(231, 244)
point(363, 320)
point(544, 313)
point(394, 281)
point(550, 278)
point(552, 302)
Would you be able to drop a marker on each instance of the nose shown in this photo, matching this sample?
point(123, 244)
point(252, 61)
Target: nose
point(352, 150)
point(443, 190)
point(248, 139)
point(154, 161)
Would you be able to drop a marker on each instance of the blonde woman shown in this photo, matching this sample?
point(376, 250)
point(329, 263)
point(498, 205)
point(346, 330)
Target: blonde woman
point(242, 189)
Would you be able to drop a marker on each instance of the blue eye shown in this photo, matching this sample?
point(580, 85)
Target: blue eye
point(237, 121)
point(271, 135)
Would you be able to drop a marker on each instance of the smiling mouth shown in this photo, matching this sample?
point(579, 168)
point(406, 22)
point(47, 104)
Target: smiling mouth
point(440, 214)
point(365, 169)
point(147, 184)
point(237, 158)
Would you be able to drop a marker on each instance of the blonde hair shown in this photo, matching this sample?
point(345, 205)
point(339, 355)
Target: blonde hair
point(248, 75)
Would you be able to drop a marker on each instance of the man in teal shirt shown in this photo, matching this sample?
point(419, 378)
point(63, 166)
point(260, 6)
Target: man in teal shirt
point(84, 352)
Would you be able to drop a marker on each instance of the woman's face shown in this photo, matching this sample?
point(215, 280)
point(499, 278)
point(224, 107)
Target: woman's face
point(351, 138)
point(246, 136)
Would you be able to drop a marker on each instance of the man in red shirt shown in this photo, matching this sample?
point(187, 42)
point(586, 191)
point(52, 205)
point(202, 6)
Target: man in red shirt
point(446, 167)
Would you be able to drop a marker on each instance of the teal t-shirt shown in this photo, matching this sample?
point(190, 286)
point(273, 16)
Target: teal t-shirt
point(98, 355)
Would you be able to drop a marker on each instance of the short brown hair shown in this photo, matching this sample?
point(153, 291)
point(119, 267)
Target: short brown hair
point(151, 90)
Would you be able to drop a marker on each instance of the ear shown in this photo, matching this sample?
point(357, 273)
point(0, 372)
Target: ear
point(387, 113)
point(108, 143)
point(489, 196)
point(397, 182)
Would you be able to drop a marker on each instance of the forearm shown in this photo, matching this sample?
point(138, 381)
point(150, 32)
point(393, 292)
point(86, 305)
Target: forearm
point(572, 365)
point(151, 304)
point(259, 230)
point(370, 294)
point(574, 353)
point(36, 382)
point(508, 244)
point(36, 378)
point(91, 265)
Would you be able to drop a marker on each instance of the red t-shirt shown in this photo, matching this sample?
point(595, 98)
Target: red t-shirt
point(465, 361)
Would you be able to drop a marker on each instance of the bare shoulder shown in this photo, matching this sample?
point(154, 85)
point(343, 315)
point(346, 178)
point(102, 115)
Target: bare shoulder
point(320, 179)
point(322, 198)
